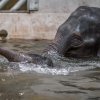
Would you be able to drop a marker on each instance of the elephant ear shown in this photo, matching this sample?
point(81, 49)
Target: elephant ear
point(72, 41)
point(68, 42)
point(76, 41)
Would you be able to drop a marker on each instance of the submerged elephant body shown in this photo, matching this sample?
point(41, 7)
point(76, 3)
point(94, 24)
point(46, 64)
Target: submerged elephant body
point(78, 36)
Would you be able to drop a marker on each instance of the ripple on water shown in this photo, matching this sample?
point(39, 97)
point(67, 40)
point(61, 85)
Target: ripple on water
point(18, 83)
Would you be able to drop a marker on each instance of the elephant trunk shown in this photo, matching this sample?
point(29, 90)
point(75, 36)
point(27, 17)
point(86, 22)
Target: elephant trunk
point(14, 56)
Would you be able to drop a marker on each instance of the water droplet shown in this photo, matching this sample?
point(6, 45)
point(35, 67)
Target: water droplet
point(22, 93)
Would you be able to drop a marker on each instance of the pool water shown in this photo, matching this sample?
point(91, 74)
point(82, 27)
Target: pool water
point(70, 79)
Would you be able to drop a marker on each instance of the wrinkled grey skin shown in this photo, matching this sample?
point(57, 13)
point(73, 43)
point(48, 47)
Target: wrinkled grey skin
point(78, 36)
point(13, 56)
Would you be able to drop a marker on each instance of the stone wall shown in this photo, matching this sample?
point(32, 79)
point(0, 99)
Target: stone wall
point(42, 24)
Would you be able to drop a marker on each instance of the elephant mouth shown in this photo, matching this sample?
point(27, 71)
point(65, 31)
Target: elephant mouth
point(81, 51)
point(78, 53)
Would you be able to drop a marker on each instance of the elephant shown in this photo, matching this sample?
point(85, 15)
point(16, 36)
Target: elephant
point(78, 36)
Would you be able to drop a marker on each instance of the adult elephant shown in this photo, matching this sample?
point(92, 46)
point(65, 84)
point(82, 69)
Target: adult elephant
point(78, 36)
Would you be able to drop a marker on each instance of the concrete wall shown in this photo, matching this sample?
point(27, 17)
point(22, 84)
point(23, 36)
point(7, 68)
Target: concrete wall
point(43, 23)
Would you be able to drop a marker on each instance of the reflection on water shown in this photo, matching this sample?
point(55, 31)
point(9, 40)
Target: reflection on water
point(72, 79)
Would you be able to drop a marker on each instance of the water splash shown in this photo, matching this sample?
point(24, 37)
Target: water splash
point(62, 66)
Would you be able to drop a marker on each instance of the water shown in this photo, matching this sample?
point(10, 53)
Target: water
point(72, 79)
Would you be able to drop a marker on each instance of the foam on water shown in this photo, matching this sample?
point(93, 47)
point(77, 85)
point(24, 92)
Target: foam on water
point(65, 70)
